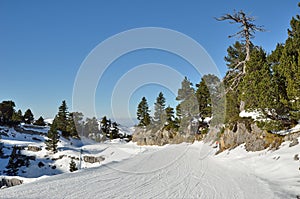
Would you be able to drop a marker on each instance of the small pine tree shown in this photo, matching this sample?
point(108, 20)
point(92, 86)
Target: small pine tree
point(91, 127)
point(1, 146)
point(73, 166)
point(62, 119)
point(105, 125)
point(171, 122)
point(53, 137)
point(12, 166)
point(114, 131)
point(143, 113)
point(40, 122)
point(159, 109)
point(71, 128)
point(17, 117)
point(28, 117)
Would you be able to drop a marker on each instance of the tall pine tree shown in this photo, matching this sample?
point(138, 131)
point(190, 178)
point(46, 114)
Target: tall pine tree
point(159, 109)
point(62, 119)
point(53, 137)
point(204, 99)
point(143, 113)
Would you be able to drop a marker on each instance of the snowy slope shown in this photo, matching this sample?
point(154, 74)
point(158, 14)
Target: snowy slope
point(175, 171)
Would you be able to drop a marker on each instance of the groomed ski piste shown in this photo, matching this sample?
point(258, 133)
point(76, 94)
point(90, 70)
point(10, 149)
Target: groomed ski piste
point(171, 171)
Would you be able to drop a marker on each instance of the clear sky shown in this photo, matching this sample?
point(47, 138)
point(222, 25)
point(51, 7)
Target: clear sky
point(43, 43)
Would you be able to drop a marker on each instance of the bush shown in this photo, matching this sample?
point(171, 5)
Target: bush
point(73, 166)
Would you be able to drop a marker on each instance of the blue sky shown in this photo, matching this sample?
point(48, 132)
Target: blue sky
point(43, 43)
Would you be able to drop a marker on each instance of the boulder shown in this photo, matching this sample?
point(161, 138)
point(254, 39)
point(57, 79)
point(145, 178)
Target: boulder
point(10, 182)
point(34, 148)
point(93, 159)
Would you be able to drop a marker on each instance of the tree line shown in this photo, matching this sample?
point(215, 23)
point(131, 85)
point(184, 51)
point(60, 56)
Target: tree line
point(268, 83)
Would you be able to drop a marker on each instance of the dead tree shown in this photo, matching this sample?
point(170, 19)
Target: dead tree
point(247, 32)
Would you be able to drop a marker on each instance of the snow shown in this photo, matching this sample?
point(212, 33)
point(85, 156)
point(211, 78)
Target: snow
point(170, 171)
point(292, 130)
point(255, 115)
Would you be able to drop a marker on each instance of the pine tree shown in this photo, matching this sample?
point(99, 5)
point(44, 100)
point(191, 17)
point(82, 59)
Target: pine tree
point(28, 117)
point(171, 122)
point(105, 125)
point(12, 166)
point(53, 137)
point(186, 90)
point(40, 122)
point(6, 112)
point(159, 109)
point(143, 113)
point(71, 127)
point(204, 99)
point(79, 123)
point(178, 112)
point(289, 67)
point(1, 147)
point(257, 86)
point(248, 29)
point(73, 166)
point(188, 105)
point(62, 119)
point(17, 117)
point(114, 130)
point(91, 127)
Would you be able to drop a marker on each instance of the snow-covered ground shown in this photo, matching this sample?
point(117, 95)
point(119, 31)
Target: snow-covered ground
point(172, 171)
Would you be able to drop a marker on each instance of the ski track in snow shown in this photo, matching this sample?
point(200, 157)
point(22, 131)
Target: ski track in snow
point(175, 171)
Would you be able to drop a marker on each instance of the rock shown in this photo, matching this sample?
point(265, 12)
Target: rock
point(10, 182)
point(41, 164)
point(296, 157)
point(93, 159)
point(294, 142)
point(34, 148)
point(36, 139)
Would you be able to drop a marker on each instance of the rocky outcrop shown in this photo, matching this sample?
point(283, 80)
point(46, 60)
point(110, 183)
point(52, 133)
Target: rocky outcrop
point(34, 148)
point(93, 159)
point(10, 182)
point(254, 138)
point(160, 137)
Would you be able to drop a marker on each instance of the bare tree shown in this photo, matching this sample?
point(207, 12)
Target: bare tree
point(247, 31)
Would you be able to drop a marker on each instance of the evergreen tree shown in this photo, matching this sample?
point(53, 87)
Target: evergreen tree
point(79, 123)
point(257, 86)
point(159, 109)
point(178, 112)
point(91, 127)
point(73, 166)
point(6, 112)
point(143, 113)
point(105, 125)
point(17, 117)
point(278, 81)
point(289, 67)
point(62, 119)
point(40, 122)
point(114, 131)
point(53, 137)
point(12, 166)
point(1, 147)
point(204, 100)
point(28, 117)
point(71, 127)
point(188, 104)
point(186, 90)
point(171, 122)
